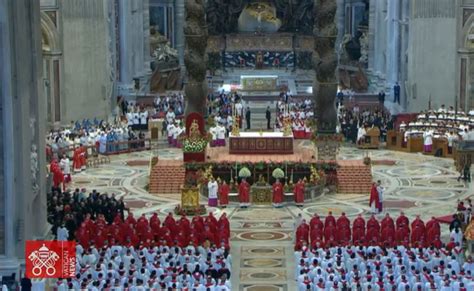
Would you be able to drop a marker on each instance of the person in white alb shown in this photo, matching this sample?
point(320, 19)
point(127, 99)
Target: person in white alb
point(238, 111)
point(212, 188)
point(178, 130)
point(143, 120)
point(136, 120)
point(62, 233)
point(213, 132)
point(428, 140)
point(170, 116)
point(170, 129)
point(220, 135)
point(65, 165)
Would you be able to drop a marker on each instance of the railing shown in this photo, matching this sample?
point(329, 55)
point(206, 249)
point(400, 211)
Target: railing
point(113, 148)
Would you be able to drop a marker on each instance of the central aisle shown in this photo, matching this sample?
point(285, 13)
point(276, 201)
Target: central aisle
point(262, 248)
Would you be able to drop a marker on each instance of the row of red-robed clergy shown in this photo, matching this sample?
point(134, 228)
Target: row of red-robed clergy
point(386, 233)
point(144, 232)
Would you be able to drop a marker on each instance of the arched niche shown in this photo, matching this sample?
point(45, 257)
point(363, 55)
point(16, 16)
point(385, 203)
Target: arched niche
point(52, 68)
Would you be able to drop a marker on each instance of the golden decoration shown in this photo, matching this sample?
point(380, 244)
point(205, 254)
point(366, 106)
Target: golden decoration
point(235, 126)
point(190, 197)
point(469, 233)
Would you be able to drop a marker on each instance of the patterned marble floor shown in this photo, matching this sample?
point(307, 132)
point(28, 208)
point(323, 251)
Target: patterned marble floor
point(262, 237)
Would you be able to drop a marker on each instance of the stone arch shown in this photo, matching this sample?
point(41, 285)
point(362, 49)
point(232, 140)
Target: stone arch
point(468, 34)
point(49, 34)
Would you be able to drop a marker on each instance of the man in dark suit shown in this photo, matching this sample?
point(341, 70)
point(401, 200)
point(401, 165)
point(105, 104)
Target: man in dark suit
point(396, 93)
point(268, 116)
point(381, 98)
point(247, 117)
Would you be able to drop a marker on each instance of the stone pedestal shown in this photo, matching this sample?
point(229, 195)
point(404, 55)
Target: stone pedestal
point(327, 149)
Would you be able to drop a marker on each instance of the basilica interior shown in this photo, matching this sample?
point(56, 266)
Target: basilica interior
point(236, 145)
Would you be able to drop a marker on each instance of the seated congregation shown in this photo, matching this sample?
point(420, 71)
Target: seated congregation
point(386, 255)
point(144, 253)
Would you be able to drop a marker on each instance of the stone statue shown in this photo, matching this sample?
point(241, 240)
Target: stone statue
point(195, 56)
point(216, 16)
point(325, 64)
point(303, 16)
point(34, 167)
point(344, 56)
point(364, 48)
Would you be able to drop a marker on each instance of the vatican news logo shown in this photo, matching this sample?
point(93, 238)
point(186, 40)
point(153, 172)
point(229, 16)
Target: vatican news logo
point(50, 259)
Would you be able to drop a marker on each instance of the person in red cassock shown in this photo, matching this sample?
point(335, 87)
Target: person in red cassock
point(387, 221)
point(58, 175)
point(130, 219)
point(388, 236)
point(330, 236)
point(82, 236)
point(343, 235)
point(433, 222)
point(417, 235)
point(316, 223)
point(402, 220)
point(417, 222)
point(298, 191)
point(359, 222)
point(302, 232)
point(330, 220)
point(224, 225)
point(224, 190)
point(373, 236)
point(141, 226)
point(184, 225)
point(358, 235)
point(83, 156)
point(244, 194)
point(316, 235)
point(170, 223)
point(373, 223)
point(374, 202)
point(343, 221)
point(277, 193)
point(76, 160)
point(402, 234)
point(155, 223)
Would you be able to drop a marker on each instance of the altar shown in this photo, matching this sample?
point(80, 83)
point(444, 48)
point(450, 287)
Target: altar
point(261, 143)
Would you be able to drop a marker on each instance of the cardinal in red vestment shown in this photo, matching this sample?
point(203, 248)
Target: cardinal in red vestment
point(387, 221)
point(224, 225)
point(82, 157)
point(402, 220)
point(170, 223)
point(374, 202)
point(359, 222)
point(224, 190)
point(76, 160)
point(277, 193)
point(373, 223)
point(298, 191)
point(330, 236)
point(402, 234)
point(130, 219)
point(302, 232)
point(330, 220)
point(388, 236)
point(244, 193)
point(343, 221)
point(316, 223)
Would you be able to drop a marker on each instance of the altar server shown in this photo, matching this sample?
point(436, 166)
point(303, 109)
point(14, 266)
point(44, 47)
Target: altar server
point(179, 129)
point(212, 188)
point(136, 120)
point(170, 130)
point(244, 193)
point(428, 140)
point(213, 132)
point(361, 132)
point(102, 143)
point(220, 135)
point(143, 120)
point(170, 116)
point(277, 193)
point(66, 167)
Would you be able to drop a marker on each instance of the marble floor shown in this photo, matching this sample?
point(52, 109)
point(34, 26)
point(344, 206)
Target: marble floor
point(262, 237)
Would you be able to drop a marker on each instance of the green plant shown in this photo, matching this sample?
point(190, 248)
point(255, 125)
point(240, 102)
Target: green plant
point(195, 145)
point(244, 172)
point(278, 173)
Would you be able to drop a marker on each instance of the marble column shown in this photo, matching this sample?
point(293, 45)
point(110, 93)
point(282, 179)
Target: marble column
point(372, 36)
point(23, 127)
point(404, 34)
point(180, 15)
point(393, 44)
point(340, 16)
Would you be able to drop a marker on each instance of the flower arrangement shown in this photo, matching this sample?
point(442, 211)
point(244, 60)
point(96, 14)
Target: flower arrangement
point(278, 173)
point(194, 145)
point(244, 172)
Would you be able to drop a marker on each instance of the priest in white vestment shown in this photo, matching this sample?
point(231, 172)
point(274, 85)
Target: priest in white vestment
point(212, 187)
